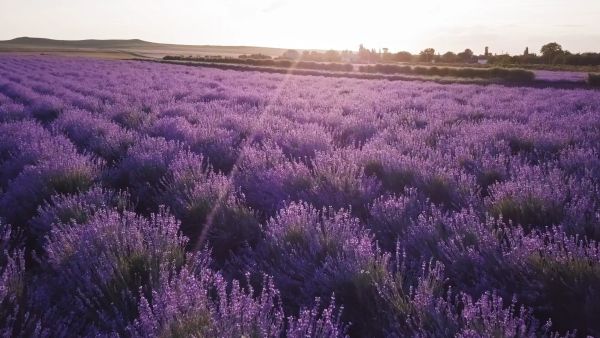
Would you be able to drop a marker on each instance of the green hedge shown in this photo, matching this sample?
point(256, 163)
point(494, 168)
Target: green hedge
point(338, 67)
point(516, 75)
point(513, 74)
point(594, 79)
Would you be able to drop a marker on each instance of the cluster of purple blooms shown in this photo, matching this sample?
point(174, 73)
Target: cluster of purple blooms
point(151, 200)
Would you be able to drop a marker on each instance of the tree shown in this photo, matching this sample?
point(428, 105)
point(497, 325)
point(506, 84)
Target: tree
point(291, 54)
point(363, 53)
point(551, 51)
point(368, 55)
point(403, 57)
point(347, 56)
point(427, 55)
point(332, 56)
point(466, 56)
point(448, 57)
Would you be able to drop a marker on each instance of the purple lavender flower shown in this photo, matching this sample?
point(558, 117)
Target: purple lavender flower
point(488, 195)
point(98, 269)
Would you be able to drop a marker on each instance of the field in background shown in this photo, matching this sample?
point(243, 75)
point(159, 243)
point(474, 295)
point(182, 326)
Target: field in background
point(125, 48)
point(138, 49)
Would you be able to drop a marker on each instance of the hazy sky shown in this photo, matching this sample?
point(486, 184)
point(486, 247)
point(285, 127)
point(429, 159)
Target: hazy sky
point(507, 25)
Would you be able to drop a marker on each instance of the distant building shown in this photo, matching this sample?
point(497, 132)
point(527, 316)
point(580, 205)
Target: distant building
point(483, 59)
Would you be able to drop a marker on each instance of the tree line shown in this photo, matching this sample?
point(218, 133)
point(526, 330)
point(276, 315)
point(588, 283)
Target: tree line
point(550, 54)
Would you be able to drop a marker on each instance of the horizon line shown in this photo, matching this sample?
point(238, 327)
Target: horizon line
point(438, 52)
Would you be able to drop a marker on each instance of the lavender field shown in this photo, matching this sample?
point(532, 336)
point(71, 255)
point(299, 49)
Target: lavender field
point(151, 200)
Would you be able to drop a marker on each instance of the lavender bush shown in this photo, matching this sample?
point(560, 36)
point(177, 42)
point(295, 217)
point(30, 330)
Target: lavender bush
point(150, 199)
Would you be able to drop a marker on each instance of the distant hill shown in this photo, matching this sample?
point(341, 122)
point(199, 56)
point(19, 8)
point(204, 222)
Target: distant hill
point(126, 48)
point(90, 43)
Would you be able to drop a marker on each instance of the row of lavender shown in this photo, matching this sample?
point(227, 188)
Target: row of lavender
point(154, 200)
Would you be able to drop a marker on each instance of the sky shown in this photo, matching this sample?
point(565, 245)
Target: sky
point(504, 26)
